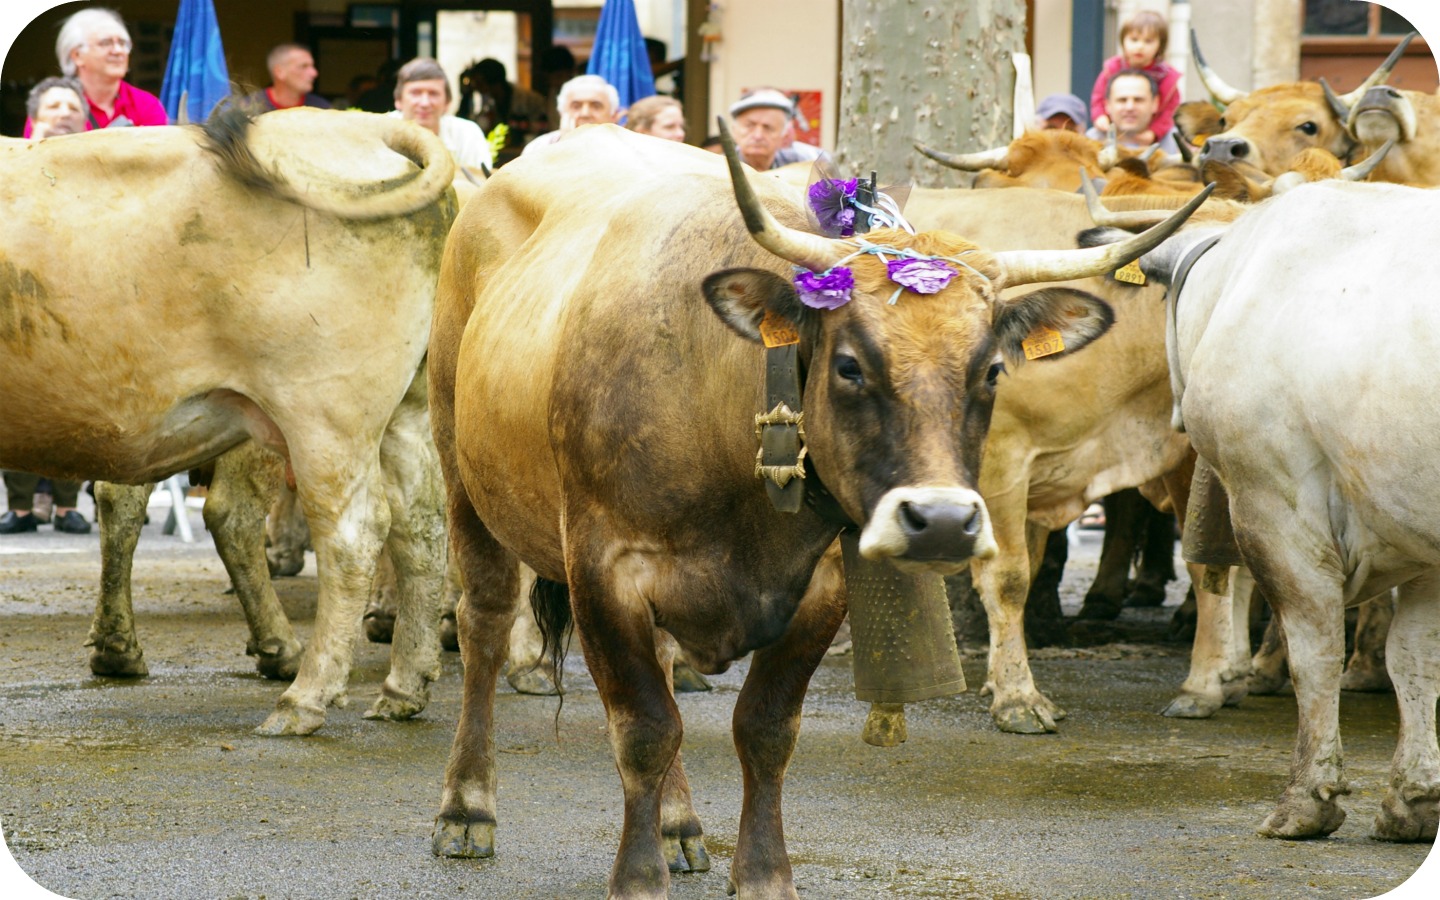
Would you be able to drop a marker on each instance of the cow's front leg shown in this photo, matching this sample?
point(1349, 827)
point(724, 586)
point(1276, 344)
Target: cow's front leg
point(287, 535)
point(1203, 692)
point(1366, 670)
point(416, 545)
point(240, 494)
point(349, 519)
point(680, 830)
point(1411, 808)
point(114, 648)
point(379, 617)
point(529, 670)
point(766, 724)
point(1004, 582)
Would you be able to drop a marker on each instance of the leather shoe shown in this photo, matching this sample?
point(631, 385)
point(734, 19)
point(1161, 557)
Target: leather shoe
point(14, 523)
point(72, 523)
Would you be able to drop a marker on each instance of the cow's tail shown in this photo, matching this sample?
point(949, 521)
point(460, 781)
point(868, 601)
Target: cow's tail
point(226, 131)
point(550, 603)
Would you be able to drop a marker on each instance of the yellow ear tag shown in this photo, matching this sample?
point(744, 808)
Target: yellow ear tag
point(1043, 342)
point(1130, 273)
point(778, 331)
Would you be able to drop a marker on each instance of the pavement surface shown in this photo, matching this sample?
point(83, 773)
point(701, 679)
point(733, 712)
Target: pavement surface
point(157, 787)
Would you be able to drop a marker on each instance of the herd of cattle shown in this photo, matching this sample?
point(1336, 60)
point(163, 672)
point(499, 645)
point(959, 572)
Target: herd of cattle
point(560, 377)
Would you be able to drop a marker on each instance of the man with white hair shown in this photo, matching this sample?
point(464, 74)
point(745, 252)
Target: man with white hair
point(422, 96)
point(94, 48)
point(292, 81)
point(583, 100)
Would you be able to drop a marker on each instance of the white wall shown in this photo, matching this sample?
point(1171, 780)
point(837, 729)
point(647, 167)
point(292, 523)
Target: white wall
point(791, 45)
point(1051, 59)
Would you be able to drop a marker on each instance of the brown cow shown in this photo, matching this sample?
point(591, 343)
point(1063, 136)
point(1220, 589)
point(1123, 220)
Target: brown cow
point(1267, 128)
point(594, 419)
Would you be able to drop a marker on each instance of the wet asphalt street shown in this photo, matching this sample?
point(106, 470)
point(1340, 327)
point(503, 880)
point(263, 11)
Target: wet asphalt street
point(157, 788)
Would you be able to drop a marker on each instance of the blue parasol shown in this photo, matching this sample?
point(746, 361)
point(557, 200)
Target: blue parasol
point(619, 53)
point(197, 69)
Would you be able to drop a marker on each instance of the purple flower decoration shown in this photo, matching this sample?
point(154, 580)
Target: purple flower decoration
point(828, 290)
point(831, 198)
point(923, 276)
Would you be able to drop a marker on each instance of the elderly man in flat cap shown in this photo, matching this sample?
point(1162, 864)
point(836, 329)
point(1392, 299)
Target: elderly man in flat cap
point(764, 125)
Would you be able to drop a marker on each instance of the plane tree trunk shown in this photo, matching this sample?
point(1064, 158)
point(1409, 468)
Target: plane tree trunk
point(929, 71)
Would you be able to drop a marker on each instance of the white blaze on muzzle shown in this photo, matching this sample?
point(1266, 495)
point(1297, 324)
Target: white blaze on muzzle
point(933, 527)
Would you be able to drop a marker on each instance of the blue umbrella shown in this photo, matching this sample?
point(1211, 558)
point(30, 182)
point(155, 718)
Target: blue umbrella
point(619, 53)
point(197, 69)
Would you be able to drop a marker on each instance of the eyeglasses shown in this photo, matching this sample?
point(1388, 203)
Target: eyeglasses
point(114, 43)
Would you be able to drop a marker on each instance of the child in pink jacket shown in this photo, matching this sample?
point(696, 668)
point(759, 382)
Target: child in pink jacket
point(1142, 46)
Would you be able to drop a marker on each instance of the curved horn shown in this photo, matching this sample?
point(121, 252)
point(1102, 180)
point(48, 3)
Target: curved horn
point(1380, 74)
point(1220, 92)
point(1187, 153)
point(968, 162)
point(1129, 221)
point(1338, 106)
point(1361, 170)
point(802, 248)
point(1041, 266)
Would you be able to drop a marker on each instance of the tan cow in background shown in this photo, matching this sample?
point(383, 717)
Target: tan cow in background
point(227, 312)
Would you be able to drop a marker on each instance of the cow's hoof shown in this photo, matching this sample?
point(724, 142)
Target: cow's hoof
point(1406, 822)
point(885, 725)
point(276, 659)
point(689, 681)
point(1235, 690)
point(1265, 683)
point(537, 681)
point(458, 839)
point(284, 565)
point(1366, 679)
point(379, 626)
point(114, 656)
point(1100, 608)
point(449, 634)
point(686, 854)
point(1192, 706)
point(291, 721)
point(1019, 717)
point(1298, 818)
point(396, 705)
point(1146, 595)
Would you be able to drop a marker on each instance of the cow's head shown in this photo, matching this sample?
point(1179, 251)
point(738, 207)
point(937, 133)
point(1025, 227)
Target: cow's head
point(1037, 159)
point(900, 381)
point(1269, 127)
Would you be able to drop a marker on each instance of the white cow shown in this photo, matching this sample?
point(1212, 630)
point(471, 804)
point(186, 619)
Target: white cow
point(1306, 343)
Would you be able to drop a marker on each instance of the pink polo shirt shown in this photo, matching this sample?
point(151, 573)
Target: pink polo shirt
point(140, 107)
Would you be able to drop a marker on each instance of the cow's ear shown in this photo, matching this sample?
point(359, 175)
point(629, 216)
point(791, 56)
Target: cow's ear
point(1049, 323)
point(742, 297)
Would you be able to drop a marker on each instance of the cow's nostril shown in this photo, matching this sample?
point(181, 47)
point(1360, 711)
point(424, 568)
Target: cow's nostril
point(1240, 150)
point(972, 524)
point(912, 518)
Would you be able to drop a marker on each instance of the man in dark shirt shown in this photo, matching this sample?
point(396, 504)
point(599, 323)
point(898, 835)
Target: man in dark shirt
point(292, 80)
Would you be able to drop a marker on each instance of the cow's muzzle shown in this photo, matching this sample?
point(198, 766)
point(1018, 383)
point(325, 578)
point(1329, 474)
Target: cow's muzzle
point(1225, 150)
point(934, 529)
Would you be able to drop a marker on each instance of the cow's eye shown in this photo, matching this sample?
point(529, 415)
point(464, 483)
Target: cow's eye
point(1310, 128)
point(993, 375)
point(847, 368)
point(1223, 126)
